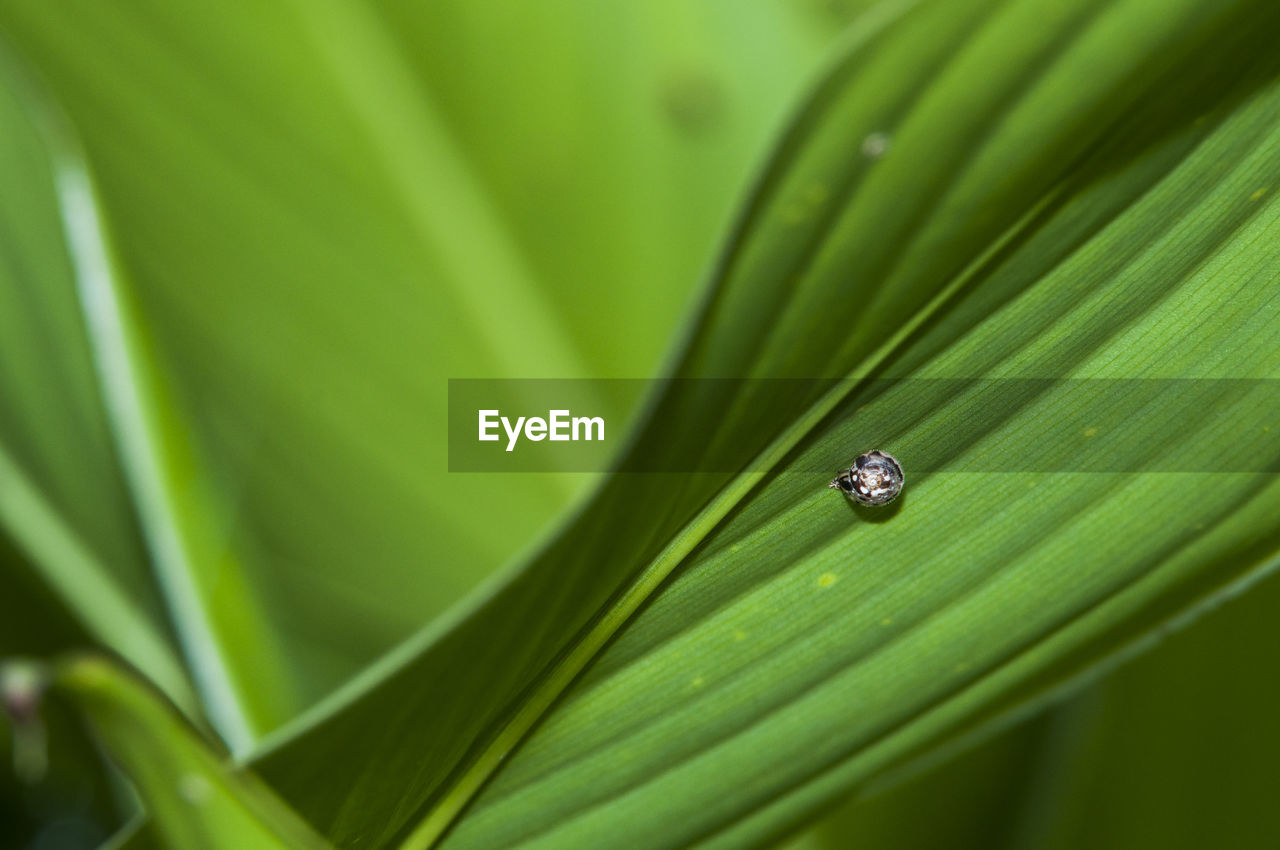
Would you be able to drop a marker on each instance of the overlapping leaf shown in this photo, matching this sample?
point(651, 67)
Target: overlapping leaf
point(1212, 692)
point(1176, 749)
point(306, 250)
point(1078, 214)
point(73, 796)
point(63, 500)
point(799, 652)
point(198, 802)
point(1078, 190)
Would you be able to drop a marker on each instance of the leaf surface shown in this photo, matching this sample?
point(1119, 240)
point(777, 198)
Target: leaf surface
point(1121, 763)
point(64, 502)
point(309, 233)
point(195, 799)
point(1098, 207)
point(1071, 191)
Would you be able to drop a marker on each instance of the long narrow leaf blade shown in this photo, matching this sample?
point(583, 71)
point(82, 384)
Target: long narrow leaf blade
point(1119, 159)
point(195, 800)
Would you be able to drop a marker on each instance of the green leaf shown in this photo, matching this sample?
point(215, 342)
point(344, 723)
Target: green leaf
point(194, 799)
point(1176, 749)
point(614, 138)
point(1072, 191)
point(1181, 748)
point(307, 238)
point(174, 509)
point(73, 794)
point(63, 499)
point(976, 799)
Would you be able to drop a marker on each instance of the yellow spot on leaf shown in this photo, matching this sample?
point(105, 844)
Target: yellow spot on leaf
point(1258, 194)
point(887, 621)
point(739, 635)
point(1090, 432)
point(826, 579)
point(697, 681)
point(195, 789)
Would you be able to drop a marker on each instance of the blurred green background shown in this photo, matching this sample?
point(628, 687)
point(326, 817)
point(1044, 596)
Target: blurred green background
point(321, 211)
point(315, 243)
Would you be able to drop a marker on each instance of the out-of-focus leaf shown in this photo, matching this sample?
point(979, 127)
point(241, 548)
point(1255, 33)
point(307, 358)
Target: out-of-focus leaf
point(1177, 749)
point(1180, 750)
point(971, 801)
point(70, 804)
point(63, 501)
point(1073, 190)
point(205, 587)
point(618, 155)
point(312, 233)
point(194, 799)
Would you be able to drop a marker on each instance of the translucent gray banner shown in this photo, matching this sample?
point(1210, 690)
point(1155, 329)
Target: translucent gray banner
point(989, 425)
